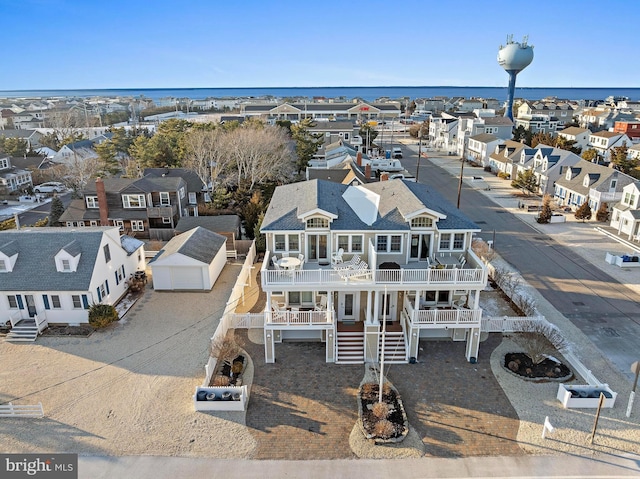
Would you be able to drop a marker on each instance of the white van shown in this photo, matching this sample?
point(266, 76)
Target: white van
point(396, 152)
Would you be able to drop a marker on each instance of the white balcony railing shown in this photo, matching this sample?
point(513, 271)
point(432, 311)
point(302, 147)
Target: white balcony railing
point(456, 276)
point(298, 318)
point(455, 317)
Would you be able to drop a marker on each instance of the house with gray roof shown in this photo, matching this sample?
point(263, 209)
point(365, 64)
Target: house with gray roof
point(577, 134)
point(53, 275)
point(342, 260)
point(147, 207)
point(586, 181)
point(190, 261)
point(359, 111)
point(12, 178)
point(625, 216)
point(548, 164)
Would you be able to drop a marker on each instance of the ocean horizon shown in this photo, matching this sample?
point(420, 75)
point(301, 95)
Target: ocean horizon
point(366, 93)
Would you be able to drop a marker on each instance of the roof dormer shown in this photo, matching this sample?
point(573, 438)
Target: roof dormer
point(8, 256)
point(68, 258)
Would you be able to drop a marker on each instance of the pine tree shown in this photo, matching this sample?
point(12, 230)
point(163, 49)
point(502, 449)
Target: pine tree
point(526, 181)
point(584, 212)
point(545, 212)
point(57, 208)
point(602, 214)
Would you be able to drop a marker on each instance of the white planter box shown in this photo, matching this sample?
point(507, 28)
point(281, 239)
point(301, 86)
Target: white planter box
point(222, 405)
point(619, 260)
point(585, 396)
point(558, 218)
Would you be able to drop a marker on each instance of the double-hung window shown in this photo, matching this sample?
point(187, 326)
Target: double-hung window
point(389, 243)
point(164, 199)
point(137, 225)
point(134, 201)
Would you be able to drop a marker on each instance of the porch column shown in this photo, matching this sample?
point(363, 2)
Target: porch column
point(473, 344)
point(371, 331)
point(269, 348)
point(331, 345)
point(414, 342)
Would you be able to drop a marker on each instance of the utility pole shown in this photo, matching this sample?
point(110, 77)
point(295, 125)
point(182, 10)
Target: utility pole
point(460, 181)
point(419, 152)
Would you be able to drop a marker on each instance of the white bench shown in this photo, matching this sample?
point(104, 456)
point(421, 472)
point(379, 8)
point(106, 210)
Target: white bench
point(21, 410)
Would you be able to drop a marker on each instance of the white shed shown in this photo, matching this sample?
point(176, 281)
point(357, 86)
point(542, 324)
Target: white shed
point(190, 261)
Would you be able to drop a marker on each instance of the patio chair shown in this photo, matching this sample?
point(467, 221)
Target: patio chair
point(276, 266)
point(336, 258)
point(460, 302)
point(322, 305)
point(355, 259)
point(301, 257)
point(285, 255)
point(461, 258)
point(463, 261)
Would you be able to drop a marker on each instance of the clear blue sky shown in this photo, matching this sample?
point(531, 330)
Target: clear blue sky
point(67, 44)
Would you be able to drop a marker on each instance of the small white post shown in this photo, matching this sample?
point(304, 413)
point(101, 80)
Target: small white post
point(630, 406)
point(546, 427)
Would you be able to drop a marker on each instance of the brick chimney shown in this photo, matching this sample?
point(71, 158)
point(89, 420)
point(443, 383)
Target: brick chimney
point(359, 159)
point(102, 202)
point(367, 171)
point(384, 176)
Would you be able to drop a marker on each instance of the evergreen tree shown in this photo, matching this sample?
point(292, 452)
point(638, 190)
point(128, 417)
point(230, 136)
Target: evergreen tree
point(108, 157)
point(620, 159)
point(590, 155)
point(584, 212)
point(307, 143)
point(526, 181)
point(368, 135)
point(57, 208)
point(545, 213)
point(602, 214)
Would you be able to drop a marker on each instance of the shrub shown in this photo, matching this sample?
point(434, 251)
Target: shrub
point(225, 349)
point(482, 249)
point(221, 381)
point(602, 214)
point(383, 429)
point(545, 214)
point(584, 212)
point(381, 410)
point(101, 315)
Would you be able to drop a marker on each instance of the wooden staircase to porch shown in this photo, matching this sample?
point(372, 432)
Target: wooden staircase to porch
point(350, 347)
point(24, 331)
point(395, 348)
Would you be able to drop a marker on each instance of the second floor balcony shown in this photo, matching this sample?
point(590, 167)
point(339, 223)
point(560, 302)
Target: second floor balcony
point(162, 211)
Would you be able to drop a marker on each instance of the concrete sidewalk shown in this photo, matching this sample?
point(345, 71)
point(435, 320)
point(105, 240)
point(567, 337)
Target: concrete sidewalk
point(153, 467)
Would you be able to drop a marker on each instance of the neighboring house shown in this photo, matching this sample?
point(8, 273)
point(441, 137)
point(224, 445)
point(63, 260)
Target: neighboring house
point(563, 112)
point(481, 146)
point(57, 273)
point(548, 164)
point(589, 181)
point(629, 128)
point(502, 159)
point(603, 141)
point(625, 217)
point(32, 137)
point(76, 152)
point(191, 261)
point(360, 111)
point(579, 135)
point(485, 122)
point(28, 120)
point(196, 189)
point(603, 118)
point(634, 152)
point(443, 130)
point(361, 256)
point(147, 207)
point(13, 179)
point(538, 123)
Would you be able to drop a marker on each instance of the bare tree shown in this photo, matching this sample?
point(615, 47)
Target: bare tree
point(259, 154)
point(78, 172)
point(205, 155)
point(540, 338)
point(65, 125)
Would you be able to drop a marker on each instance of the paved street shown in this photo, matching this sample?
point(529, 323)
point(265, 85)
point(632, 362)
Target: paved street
point(30, 213)
point(604, 307)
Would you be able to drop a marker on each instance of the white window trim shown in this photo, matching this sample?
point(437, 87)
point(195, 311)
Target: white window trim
point(389, 250)
point(165, 199)
point(137, 225)
point(126, 201)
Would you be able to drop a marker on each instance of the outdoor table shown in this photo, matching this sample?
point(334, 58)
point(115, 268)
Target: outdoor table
point(290, 262)
point(448, 261)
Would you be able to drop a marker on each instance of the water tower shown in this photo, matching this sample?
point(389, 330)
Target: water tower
point(514, 57)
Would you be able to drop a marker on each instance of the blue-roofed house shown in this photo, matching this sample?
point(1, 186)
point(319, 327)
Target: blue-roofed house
point(343, 260)
point(53, 275)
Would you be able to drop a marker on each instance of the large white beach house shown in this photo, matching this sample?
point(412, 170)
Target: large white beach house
point(359, 267)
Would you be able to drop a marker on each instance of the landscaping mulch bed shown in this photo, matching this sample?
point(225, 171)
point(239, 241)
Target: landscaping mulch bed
point(521, 365)
point(83, 330)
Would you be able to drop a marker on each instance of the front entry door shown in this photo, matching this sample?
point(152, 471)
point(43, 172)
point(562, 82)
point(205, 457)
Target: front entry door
point(347, 306)
point(419, 247)
point(31, 305)
point(317, 248)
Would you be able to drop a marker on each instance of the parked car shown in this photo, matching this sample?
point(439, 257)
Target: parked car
point(50, 187)
point(397, 152)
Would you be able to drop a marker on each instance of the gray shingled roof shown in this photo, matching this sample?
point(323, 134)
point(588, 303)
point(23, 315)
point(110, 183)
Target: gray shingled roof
point(484, 137)
point(35, 268)
point(199, 243)
point(194, 183)
point(398, 198)
point(216, 224)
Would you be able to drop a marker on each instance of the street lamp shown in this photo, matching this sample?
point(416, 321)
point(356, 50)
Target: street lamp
point(419, 152)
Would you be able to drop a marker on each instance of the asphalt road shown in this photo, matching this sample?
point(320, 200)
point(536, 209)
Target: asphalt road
point(604, 310)
point(41, 211)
